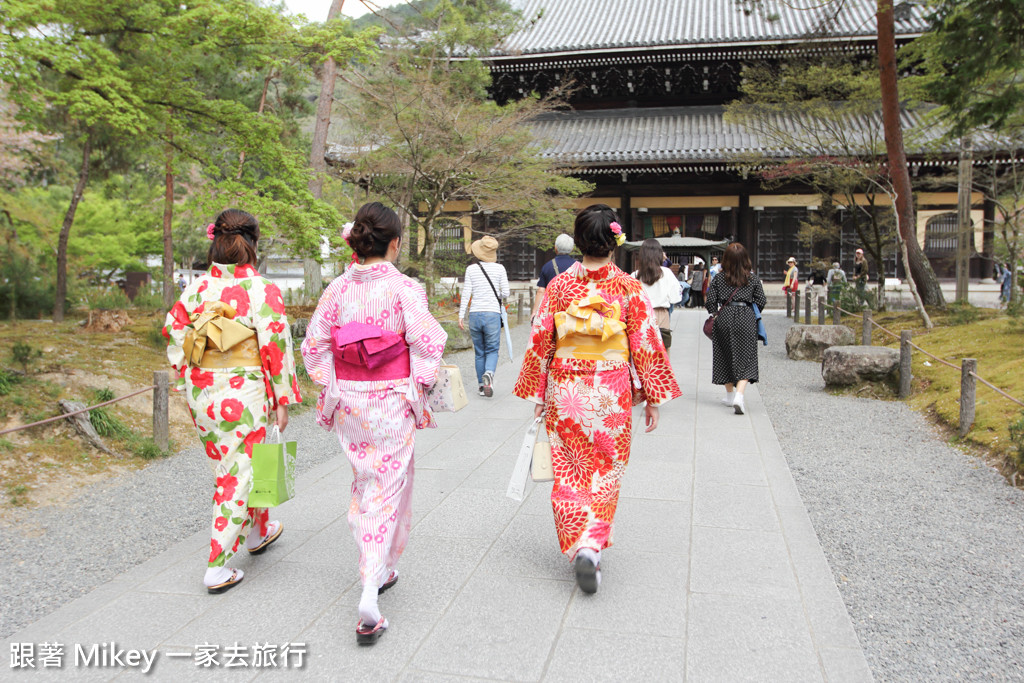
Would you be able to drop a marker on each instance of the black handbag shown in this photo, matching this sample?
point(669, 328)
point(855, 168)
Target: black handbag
point(709, 324)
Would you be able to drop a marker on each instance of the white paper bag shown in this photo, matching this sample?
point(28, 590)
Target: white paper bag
point(521, 473)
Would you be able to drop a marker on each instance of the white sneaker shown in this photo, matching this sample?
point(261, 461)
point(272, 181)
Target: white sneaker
point(488, 387)
point(738, 404)
point(728, 400)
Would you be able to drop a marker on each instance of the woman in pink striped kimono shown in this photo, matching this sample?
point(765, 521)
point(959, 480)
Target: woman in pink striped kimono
point(373, 330)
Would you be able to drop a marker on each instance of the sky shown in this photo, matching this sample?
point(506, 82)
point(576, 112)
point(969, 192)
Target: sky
point(316, 10)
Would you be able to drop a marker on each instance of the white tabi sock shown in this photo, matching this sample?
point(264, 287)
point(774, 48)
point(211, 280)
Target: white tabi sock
point(217, 575)
point(369, 613)
point(254, 538)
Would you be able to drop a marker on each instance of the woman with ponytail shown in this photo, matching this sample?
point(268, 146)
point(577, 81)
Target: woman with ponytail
point(374, 347)
point(230, 345)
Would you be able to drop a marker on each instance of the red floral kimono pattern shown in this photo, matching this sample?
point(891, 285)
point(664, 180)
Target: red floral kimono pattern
point(589, 402)
point(230, 407)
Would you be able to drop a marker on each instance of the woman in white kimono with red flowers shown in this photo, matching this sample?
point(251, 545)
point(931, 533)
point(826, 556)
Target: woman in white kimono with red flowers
point(374, 346)
point(230, 345)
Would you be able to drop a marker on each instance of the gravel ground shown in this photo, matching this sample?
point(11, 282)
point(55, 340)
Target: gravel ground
point(924, 541)
point(52, 555)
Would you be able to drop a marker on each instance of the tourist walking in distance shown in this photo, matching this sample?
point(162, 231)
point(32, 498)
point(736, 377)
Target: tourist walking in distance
point(734, 339)
point(373, 331)
point(835, 280)
point(791, 284)
point(596, 323)
point(697, 286)
point(484, 292)
point(555, 267)
point(660, 286)
point(861, 277)
point(230, 345)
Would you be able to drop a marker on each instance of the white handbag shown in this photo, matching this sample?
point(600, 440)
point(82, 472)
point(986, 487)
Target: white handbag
point(448, 395)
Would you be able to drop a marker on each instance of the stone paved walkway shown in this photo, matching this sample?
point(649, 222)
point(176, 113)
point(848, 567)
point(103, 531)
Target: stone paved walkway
point(716, 574)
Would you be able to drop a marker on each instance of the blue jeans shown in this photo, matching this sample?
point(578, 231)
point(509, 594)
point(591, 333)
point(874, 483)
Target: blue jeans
point(485, 331)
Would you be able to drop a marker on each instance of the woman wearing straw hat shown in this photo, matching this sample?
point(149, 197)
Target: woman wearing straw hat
point(483, 294)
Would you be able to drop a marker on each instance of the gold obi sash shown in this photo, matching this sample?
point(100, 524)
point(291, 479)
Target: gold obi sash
point(591, 329)
point(217, 341)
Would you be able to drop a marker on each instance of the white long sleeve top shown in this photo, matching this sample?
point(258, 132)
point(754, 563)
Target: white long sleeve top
point(477, 289)
point(665, 291)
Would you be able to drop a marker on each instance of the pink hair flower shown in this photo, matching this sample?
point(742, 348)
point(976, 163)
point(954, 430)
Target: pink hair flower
point(616, 229)
point(346, 230)
point(209, 231)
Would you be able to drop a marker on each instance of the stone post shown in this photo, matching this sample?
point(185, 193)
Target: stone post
point(520, 309)
point(906, 371)
point(837, 316)
point(865, 332)
point(807, 307)
point(967, 390)
point(789, 305)
point(161, 422)
point(821, 310)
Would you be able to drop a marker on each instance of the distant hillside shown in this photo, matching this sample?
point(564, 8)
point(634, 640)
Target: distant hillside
point(397, 15)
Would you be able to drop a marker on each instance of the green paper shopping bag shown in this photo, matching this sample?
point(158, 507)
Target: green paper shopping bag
point(273, 471)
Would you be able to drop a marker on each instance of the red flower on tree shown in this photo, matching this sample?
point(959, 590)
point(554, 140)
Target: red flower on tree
point(236, 382)
point(272, 357)
point(225, 489)
point(231, 409)
point(211, 451)
point(220, 523)
point(237, 298)
point(272, 295)
point(215, 550)
point(201, 379)
point(254, 437)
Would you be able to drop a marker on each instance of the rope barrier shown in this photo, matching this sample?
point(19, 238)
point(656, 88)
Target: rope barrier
point(932, 355)
point(77, 412)
point(995, 388)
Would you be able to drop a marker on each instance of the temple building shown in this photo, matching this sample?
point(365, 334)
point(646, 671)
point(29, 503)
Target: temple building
point(647, 126)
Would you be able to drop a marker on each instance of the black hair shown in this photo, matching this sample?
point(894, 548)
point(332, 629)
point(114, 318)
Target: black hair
point(593, 236)
point(235, 234)
point(374, 226)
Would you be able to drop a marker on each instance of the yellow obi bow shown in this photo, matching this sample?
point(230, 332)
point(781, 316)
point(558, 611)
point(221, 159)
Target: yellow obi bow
point(216, 328)
point(588, 318)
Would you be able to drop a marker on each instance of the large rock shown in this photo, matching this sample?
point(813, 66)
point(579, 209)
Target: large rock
point(808, 342)
point(458, 340)
point(299, 326)
point(846, 365)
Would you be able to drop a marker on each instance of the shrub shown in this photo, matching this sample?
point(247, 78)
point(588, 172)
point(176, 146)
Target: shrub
point(962, 313)
point(7, 381)
point(106, 423)
point(146, 448)
point(156, 334)
point(24, 355)
point(33, 291)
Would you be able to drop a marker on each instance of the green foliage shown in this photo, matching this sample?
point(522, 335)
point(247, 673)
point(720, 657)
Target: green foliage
point(155, 335)
point(7, 381)
point(973, 62)
point(962, 313)
point(106, 423)
point(25, 354)
point(426, 133)
point(147, 449)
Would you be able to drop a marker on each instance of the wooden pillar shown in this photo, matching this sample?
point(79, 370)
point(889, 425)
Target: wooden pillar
point(906, 369)
point(865, 331)
point(807, 307)
point(821, 310)
point(968, 386)
point(161, 420)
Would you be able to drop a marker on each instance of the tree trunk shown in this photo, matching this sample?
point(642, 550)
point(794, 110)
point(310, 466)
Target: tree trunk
point(65, 231)
point(168, 239)
point(964, 227)
point(329, 71)
point(919, 269)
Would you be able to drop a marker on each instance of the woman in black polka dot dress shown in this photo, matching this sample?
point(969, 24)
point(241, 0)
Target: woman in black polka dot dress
point(734, 342)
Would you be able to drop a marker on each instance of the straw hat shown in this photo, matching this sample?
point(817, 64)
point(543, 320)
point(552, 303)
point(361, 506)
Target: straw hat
point(791, 260)
point(485, 249)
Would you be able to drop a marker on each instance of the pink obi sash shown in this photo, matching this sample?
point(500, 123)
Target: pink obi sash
point(367, 353)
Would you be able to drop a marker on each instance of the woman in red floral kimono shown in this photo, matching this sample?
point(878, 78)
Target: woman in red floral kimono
point(595, 324)
point(230, 345)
